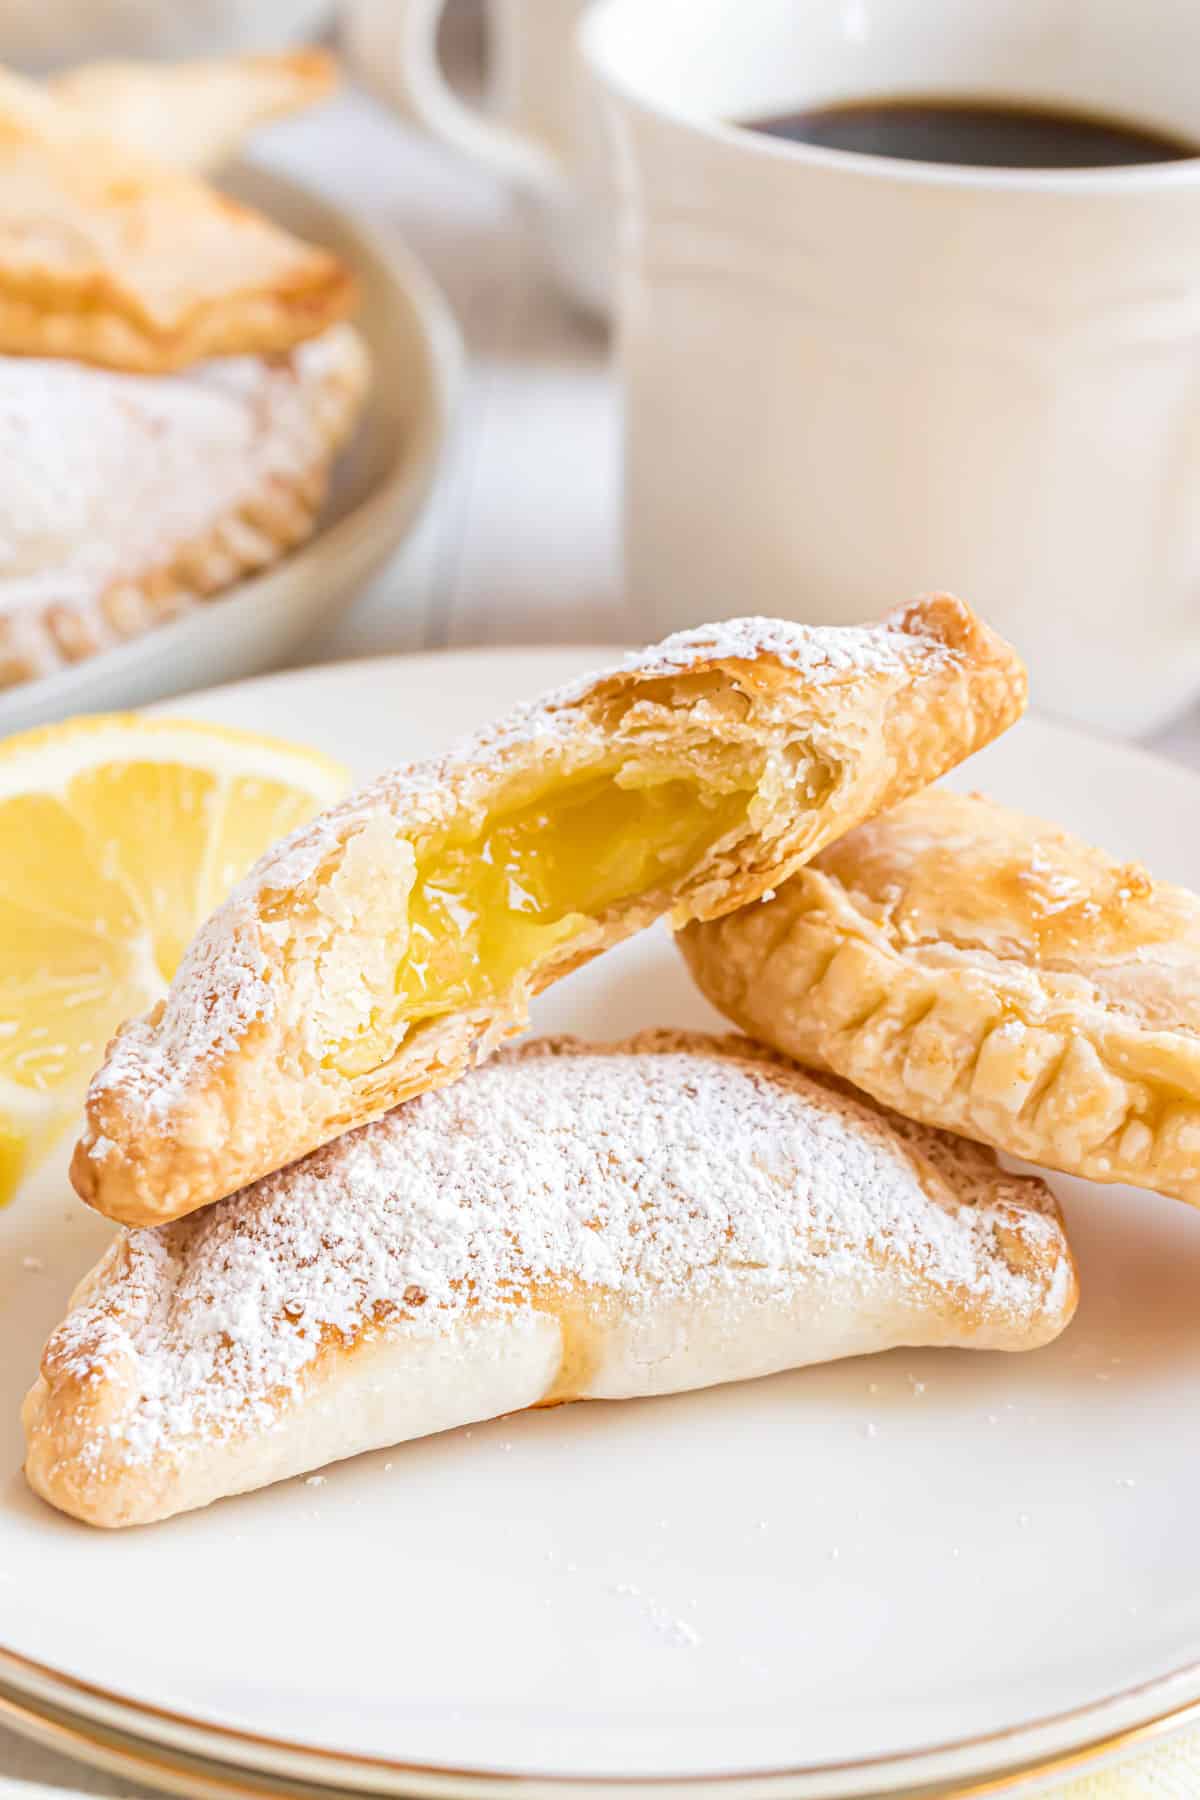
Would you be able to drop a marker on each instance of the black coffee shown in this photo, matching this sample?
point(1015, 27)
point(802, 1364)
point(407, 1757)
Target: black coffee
point(980, 133)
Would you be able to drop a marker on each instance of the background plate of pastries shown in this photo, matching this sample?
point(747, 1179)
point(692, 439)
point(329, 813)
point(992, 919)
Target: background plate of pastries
point(223, 405)
point(879, 1481)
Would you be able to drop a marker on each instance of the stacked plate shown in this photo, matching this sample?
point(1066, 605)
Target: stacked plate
point(918, 1573)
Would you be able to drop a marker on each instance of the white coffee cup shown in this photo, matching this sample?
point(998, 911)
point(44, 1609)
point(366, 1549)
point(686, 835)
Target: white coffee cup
point(541, 129)
point(851, 378)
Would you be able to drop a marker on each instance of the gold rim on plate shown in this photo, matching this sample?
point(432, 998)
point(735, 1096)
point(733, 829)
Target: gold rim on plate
point(228, 1776)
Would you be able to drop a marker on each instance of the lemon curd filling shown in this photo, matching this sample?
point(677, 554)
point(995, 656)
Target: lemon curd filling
point(483, 912)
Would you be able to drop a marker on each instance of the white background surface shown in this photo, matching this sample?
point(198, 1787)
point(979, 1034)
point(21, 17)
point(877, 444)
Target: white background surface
point(520, 542)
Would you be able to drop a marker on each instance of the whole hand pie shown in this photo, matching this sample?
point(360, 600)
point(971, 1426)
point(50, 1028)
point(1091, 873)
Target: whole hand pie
point(128, 498)
point(984, 971)
point(110, 257)
point(565, 1223)
point(196, 114)
point(393, 944)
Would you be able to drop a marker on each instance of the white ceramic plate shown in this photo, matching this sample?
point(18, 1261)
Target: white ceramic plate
point(379, 487)
point(895, 1570)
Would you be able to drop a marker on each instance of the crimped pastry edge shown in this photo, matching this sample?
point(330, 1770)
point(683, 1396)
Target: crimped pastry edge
point(991, 1055)
point(272, 519)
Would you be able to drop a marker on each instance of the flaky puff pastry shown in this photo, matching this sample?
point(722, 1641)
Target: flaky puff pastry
point(565, 1223)
point(110, 257)
point(194, 115)
point(987, 972)
point(392, 944)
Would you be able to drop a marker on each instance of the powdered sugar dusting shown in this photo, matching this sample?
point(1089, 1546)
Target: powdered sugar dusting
point(819, 653)
point(108, 476)
point(666, 1167)
point(222, 988)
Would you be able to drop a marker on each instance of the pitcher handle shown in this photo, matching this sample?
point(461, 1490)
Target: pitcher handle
point(394, 44)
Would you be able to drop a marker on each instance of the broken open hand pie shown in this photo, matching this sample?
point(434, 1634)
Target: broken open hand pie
point(392, 944)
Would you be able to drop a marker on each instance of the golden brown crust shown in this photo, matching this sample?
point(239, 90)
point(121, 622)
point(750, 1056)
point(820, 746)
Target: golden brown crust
point(109, 257)
point(558, 1226)
point(985, 972)
point(194, 115)
point(232, 1076)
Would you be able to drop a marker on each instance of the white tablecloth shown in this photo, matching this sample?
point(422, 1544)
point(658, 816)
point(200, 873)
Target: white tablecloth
point(520, 542)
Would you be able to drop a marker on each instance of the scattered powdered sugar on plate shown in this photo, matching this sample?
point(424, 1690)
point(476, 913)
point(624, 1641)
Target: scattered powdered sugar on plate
point(663, 1167)
point(676, 1632)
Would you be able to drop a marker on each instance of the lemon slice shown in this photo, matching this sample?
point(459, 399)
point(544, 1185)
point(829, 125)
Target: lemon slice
point(118, 835)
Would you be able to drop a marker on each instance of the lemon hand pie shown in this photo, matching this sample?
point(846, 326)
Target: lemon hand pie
point(987, 972)
point(194, 115)
point(395, 942)
point(566, 1223)
point(111, 257)
point(130, 498)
